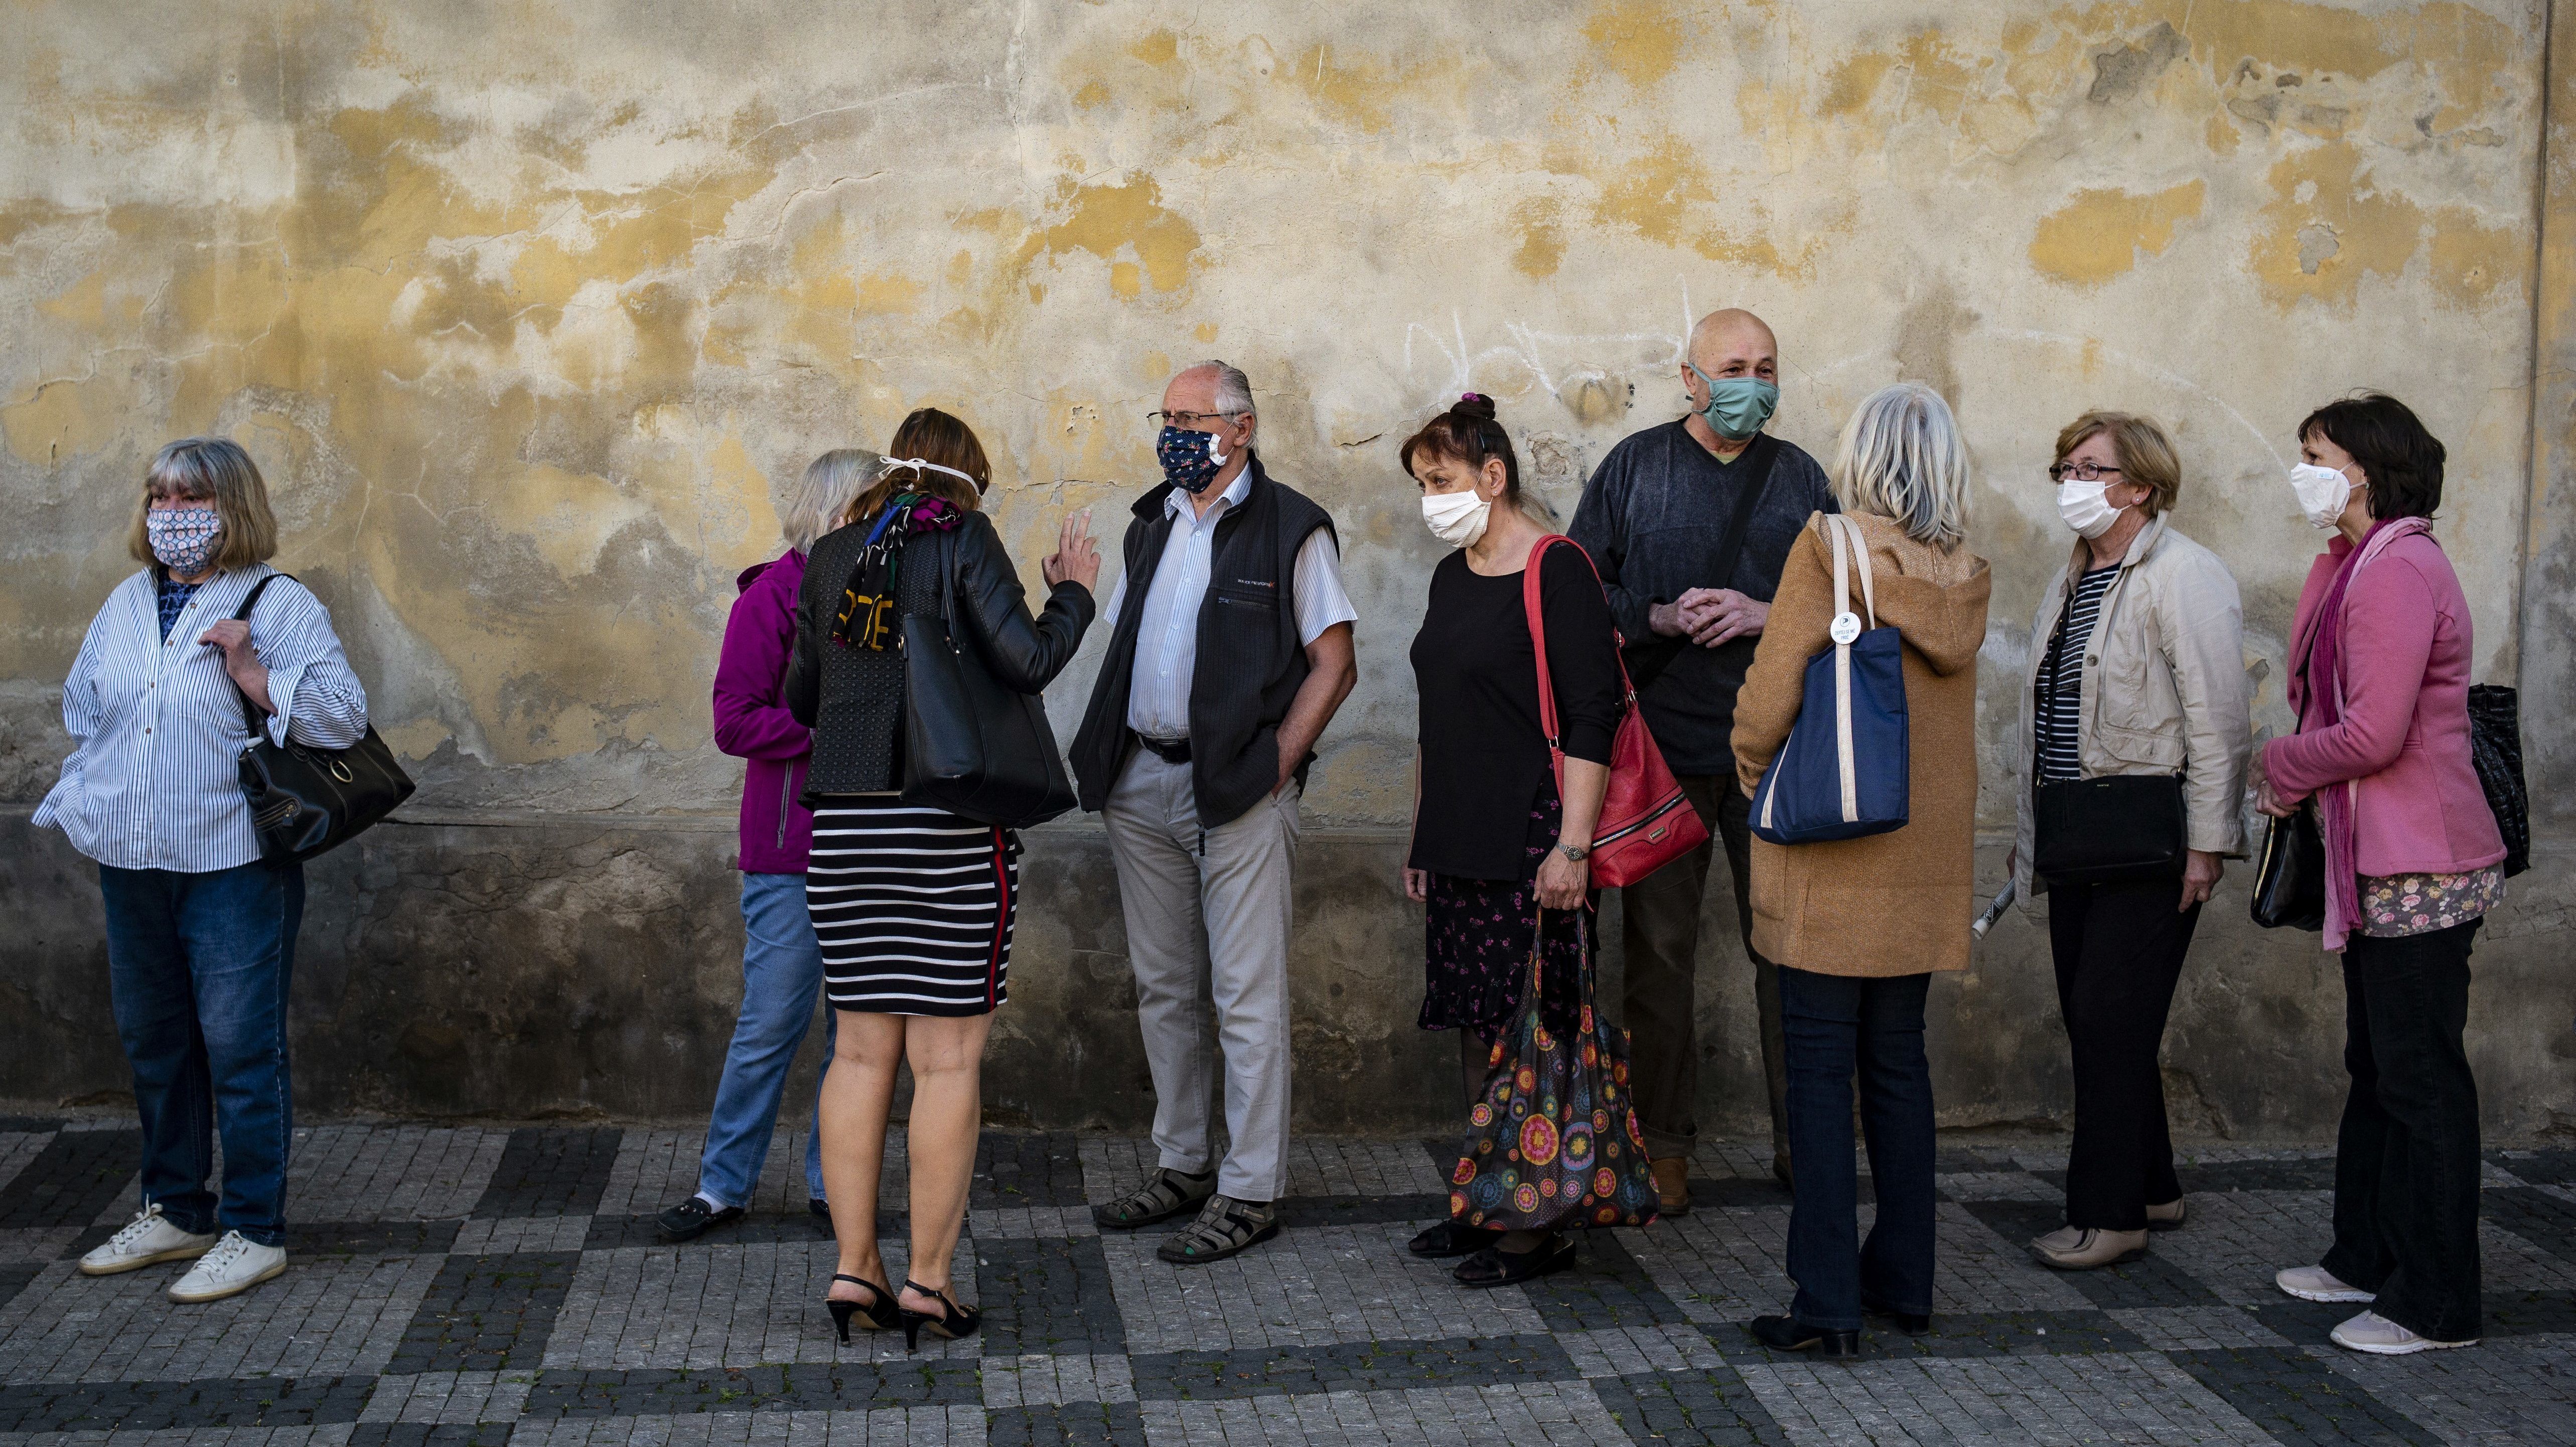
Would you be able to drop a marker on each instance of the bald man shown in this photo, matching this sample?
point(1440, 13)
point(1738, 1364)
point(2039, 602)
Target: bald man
point(1690, 522)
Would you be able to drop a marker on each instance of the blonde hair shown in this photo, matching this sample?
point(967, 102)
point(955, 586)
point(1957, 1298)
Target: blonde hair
point(820, 500)
point(1901, 458)
point(217, 470)
point(2146, 454)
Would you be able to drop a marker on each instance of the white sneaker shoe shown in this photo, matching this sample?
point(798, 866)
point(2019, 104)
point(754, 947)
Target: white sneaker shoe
point(148, 1238)
point(234, 1266)
point(2315, 1283)
point(2376, 1334)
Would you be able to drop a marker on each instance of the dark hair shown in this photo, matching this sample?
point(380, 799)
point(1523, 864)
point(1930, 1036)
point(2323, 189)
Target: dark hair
point(932, 436)
point(1468, 433)
point(2400, 460)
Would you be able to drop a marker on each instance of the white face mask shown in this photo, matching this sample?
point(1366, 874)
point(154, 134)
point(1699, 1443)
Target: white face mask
point(2085, 509)
point(2323, 493)
point(1456, 518)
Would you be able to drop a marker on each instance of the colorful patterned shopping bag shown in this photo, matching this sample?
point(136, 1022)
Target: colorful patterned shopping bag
point(1553, 1143)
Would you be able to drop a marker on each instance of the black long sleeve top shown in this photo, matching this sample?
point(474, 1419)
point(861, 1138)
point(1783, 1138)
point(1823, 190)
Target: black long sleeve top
point(1484, 755)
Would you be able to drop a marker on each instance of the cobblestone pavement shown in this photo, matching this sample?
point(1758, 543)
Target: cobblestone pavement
point(450, 1287)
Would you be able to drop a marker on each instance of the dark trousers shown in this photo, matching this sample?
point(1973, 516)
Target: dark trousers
point(198, 967)
point(1834, 1025)
point(1659, 995)
point(2119, 951)
point(2406, 1160)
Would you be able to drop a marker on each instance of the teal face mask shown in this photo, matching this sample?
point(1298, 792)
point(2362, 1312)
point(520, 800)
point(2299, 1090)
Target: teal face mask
point(1737, 406)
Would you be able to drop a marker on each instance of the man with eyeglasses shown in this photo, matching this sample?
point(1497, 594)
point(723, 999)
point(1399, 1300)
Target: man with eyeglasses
point(1226, 660)
point(1690, 522)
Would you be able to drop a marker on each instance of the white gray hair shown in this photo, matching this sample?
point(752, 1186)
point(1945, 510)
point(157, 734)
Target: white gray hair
point(1901, 458)
point(1233, 389)
point(815, 504)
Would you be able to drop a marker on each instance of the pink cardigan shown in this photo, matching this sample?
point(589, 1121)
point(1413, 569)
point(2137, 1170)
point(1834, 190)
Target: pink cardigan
point(2405, 731)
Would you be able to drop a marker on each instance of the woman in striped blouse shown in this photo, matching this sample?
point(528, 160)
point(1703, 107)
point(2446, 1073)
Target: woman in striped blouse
point(200, 929)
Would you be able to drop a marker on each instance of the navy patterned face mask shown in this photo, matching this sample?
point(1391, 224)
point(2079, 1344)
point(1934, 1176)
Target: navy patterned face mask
point(1191, 460)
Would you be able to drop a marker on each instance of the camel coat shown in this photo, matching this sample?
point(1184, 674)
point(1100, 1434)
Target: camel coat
point(1897, 903)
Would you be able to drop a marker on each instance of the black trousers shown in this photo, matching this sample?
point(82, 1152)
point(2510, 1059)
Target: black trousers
point(2118, 949)
point(2406, 1160)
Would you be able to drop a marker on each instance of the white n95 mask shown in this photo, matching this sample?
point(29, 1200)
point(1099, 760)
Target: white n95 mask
point(1456, 518)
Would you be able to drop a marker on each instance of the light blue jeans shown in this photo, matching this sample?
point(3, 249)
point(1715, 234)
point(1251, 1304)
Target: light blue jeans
point(782, 972)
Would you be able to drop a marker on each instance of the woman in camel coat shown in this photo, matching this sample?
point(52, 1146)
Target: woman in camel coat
point(1859, 926)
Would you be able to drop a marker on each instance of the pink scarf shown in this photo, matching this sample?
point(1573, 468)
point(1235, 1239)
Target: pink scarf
point(2335, 811)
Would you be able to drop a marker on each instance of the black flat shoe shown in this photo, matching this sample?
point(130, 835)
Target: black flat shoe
point(1447, 1238)
point(880, 1312)
point(1494, 1266)
point(959, 1321)
point(692, 1219)
point(1909, 1322)
point(1787, 1334)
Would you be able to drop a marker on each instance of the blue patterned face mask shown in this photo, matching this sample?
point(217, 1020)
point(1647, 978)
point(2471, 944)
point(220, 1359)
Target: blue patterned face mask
point(1191, 460)
point(183, 538)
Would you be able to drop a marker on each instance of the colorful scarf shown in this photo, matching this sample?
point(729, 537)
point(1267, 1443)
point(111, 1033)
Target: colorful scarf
point(867, 609)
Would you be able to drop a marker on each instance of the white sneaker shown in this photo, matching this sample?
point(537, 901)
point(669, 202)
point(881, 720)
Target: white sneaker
point(2376, 1334)
point(235, 1265)
point(148, 1238)
point(2315, 1283)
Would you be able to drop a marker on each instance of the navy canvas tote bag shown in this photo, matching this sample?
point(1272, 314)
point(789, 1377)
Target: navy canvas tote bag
point(1843, 771)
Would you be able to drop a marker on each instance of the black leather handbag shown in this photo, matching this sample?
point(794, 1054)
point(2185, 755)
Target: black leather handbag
point(2290, 878)
point(306, 801)
point(2495, 748)
point(2118, 829)
point(973, 745)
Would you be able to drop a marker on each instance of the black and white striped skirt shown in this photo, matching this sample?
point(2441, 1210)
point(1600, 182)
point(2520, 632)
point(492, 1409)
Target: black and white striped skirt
point(913, 907)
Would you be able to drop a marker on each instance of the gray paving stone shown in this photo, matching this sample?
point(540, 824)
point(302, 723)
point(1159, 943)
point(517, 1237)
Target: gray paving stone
point(1049, 1381)
point(2520, 1391)
point(76, 1175)
point(390, 1173)
point(1329, 1284)
point(550, 1171)
point(2292, 1395)
point(322, 1318)
point(1529, 1412)
point(2142, 1399)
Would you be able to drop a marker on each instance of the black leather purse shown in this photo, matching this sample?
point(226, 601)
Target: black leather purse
point(2495, 749)
point(2290, 878)
point(2118, 829)
point(306, 801)
point(972, 745)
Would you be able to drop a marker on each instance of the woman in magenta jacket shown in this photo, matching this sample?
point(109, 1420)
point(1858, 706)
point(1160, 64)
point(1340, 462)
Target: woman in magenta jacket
point(2380, 661)
point(782, 965)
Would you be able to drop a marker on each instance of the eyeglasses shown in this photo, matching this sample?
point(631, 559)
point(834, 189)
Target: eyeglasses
point(2081, 472)
point(1186, 419)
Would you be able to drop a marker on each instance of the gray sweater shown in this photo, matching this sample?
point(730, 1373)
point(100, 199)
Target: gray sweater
point(1653, 516)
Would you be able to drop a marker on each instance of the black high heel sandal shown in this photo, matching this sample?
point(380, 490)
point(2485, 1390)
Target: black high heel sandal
point(960, 1321)
point(881, 1313)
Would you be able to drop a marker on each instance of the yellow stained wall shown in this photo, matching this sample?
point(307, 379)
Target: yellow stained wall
point(531, 310)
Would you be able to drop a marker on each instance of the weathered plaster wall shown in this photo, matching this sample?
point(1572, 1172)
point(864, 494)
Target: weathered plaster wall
point(530, 310)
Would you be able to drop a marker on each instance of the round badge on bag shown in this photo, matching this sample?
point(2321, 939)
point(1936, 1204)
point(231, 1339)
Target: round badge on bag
point(1846, 628)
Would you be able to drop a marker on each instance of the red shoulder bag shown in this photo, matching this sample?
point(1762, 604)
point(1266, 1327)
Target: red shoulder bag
point(1646, 821)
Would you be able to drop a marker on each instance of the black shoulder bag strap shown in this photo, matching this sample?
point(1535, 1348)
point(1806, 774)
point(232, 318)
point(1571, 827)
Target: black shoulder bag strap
point(250, 711)
point(1645, 663)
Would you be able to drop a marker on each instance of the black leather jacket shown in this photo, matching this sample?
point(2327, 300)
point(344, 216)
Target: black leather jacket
point(853, 697)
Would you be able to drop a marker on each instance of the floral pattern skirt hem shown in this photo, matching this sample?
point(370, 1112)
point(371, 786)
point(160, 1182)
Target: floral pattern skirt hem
point(1476, 944)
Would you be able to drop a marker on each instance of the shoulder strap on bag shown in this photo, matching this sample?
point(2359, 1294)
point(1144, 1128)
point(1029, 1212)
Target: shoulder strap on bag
point(250, 711)
point(1533, 605)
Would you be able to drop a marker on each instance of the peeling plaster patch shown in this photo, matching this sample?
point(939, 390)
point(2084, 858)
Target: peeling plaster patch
point(1124, 224)
point(1635, 38)
point(2119, 74)
point(2100, 234)
point(2375, 232)
point(2317, 245)
point(1542, 247)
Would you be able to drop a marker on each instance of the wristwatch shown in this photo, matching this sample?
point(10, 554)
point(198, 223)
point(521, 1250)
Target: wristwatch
point(1575, 852)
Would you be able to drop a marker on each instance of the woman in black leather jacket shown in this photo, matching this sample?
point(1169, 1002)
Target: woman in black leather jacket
point(913, 904)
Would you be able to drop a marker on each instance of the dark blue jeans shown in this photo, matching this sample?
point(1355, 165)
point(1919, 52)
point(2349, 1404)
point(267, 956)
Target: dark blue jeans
point(198, 966)
point(1833, 1025)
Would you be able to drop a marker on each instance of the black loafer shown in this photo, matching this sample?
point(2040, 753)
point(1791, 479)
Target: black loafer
point(1788, 1334)
point(694, 1218)
point(1494, 1266)
point(1912, 1323)
point(1445, 1239)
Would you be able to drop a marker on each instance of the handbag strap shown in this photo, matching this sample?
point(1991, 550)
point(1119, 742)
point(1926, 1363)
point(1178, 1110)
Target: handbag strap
point(1846, 533)
point(251, 719)
point(1532, 605)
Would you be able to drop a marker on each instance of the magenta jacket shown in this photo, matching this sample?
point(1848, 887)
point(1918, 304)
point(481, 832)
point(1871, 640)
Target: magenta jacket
point(2404, 737)
point(752, 723)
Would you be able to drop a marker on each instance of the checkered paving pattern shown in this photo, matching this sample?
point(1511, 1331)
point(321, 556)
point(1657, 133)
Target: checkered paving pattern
point(470, 1287)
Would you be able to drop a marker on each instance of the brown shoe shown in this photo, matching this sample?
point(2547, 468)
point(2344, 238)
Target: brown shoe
point(1672, 1185)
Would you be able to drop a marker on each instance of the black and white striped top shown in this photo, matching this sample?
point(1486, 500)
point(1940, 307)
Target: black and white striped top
point(2061, 679)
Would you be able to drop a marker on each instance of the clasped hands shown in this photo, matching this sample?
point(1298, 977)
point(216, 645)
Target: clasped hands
point(1710, 616)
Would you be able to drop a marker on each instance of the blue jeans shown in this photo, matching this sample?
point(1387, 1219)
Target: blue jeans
point(198, 967)
point(782, 972)
point(1834, 1023)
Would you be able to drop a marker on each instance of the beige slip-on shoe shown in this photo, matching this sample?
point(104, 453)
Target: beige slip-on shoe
point(2081, 1248)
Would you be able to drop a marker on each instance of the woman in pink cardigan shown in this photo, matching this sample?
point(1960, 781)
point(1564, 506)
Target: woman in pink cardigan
point(2380, 678)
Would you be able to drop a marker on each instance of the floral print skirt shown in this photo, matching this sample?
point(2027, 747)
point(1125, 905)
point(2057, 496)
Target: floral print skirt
point(1476, 947)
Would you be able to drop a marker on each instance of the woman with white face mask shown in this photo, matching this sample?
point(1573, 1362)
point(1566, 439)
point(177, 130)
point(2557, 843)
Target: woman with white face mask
point(2134, 708)
point(1494, 849)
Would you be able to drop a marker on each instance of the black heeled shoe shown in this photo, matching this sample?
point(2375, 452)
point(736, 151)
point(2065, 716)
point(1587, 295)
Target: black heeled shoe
point(1909, 1322)
point(881, 1313)
point(960, 1321)
point(1788, 1334)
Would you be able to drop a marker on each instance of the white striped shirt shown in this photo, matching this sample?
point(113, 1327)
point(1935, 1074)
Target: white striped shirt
point(2060, 714)
point(157, 727)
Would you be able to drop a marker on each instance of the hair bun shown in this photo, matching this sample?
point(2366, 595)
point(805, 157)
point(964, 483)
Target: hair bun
point(1475, 404)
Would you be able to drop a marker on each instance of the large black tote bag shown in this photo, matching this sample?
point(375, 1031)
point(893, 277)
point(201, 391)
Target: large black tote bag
point(973, 745)
point(306, 801)
point(2495, 747)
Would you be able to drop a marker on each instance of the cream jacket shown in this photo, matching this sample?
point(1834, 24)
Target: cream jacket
point(2164, 687)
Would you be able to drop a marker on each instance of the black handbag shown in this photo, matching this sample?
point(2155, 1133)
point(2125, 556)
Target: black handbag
point(2495, 748)
point(2118, 829)
point(306, 801)
point(971, 744)
point(2290, 878)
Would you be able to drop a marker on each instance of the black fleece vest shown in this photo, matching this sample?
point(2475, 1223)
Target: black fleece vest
point(1250, 662)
